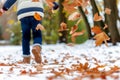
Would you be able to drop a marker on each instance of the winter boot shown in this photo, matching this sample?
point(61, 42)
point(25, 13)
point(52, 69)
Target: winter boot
point(36, 53)
point(26, 59)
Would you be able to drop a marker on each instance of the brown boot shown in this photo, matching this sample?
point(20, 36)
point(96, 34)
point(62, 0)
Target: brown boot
point(26, 59)
point(36, 53)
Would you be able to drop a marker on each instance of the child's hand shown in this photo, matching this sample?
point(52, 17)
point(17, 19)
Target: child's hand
point(1, 12)
point(40, 27)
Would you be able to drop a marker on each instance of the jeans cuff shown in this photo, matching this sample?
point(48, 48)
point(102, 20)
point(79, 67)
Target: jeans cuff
point(37, 44)
point(26, 55)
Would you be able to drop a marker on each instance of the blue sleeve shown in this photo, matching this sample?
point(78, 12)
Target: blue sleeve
point(56, 6)
point(8, 4)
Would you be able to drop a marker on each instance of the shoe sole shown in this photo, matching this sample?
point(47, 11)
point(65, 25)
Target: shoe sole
point(36, 55)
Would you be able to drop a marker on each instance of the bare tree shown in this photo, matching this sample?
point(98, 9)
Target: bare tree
point(111, 20)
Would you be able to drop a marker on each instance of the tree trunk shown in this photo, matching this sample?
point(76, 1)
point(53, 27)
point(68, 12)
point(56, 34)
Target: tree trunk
point(111, 20)
point(86, 22)
point(62, 18)
point(95, 10)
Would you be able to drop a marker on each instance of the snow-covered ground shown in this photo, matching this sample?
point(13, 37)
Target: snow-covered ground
point(63, 62)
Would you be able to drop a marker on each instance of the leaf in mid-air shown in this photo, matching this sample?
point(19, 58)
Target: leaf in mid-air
point(106, 26)
point(100, 38)
point(86, 11)
point(69, 6)
point(74, 16)
point(75, 34)
point(63, 27)
point(97, 17)
point(73, 29)
point(96, 29)
point(108, 11)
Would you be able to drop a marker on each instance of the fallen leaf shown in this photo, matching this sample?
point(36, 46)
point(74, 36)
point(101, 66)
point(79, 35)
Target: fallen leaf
point(97, 17)
point(86, 66)
point(11, 69)
point(39, 67)
point(23, 72)
point(35, 0)
point(31, 73)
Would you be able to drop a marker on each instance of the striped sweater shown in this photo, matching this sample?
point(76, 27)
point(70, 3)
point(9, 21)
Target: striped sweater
point(25, 7)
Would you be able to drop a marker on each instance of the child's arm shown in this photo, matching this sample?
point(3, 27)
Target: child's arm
point(8, 4)
point(56, 6)
point(1, 11)
point(52, 4)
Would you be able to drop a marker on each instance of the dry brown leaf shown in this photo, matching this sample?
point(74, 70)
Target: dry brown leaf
point(63, 27)
point(73, 29)
point(11, 69)
point(86, 11)
point(97, 17)
point(85, 3)
point(69, 6)
point(78, 2)
point(40, 27)
point(31, 73)
point(75, 34)
point(86, 66)
point(1, 72)
point(96, 29)
point(23, 72)
point(106, 26)
point(39, 67)
point(100, 38)
point(50, 3)
point(3, 64)
point(35, 0)
point(108, 11)
point(37, 16)
point(74, 16)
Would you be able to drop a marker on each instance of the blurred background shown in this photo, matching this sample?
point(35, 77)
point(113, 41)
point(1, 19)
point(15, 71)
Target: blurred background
point(10, 28)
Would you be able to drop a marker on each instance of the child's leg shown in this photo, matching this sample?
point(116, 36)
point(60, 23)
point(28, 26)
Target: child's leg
point(37, 41)
point(25, 40)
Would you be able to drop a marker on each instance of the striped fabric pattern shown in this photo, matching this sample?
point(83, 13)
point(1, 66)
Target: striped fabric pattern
point(25, 7)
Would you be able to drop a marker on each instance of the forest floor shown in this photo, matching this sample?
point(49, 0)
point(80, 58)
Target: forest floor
point(63, 62)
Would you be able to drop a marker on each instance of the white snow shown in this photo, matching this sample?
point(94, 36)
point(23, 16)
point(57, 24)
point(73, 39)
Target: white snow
point(58, 57)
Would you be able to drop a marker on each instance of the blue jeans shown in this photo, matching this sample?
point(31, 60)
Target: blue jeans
point(28, 24)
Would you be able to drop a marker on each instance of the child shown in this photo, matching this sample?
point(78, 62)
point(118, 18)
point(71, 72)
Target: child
point(25, 13)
